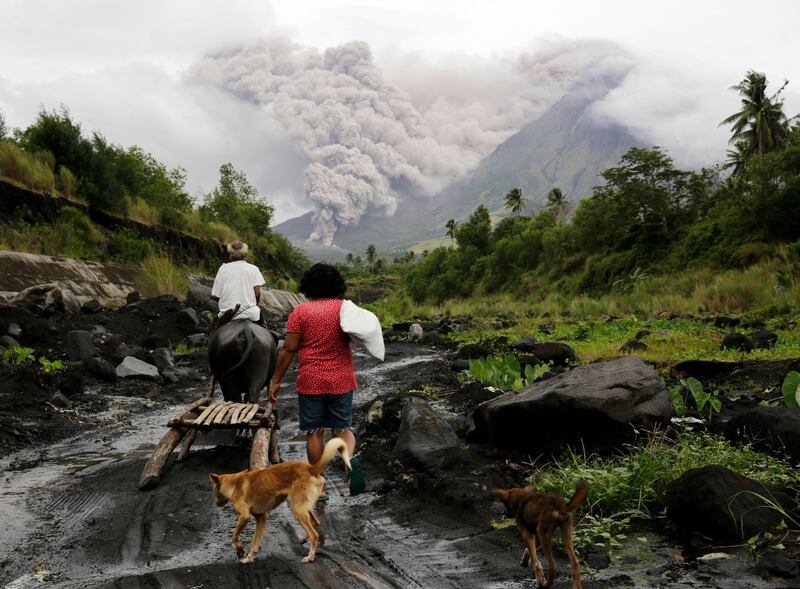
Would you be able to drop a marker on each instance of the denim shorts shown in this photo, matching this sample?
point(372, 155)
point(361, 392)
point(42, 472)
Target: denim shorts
point(330, 411)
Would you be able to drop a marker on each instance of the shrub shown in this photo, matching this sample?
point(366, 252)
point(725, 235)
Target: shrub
point(67, 183)
point(26, 169)
point(142, 211)
point(126, 247)
point(159, 276)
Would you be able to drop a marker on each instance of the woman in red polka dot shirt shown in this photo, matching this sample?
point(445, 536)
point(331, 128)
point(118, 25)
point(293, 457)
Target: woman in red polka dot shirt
point(326, 379)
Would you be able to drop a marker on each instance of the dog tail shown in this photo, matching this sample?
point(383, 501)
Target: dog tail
point(581, 491)
point(331, 448)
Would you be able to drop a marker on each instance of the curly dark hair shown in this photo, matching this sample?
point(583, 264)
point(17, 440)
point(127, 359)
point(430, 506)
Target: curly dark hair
point(323, 281)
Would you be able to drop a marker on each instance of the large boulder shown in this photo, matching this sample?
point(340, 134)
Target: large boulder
point(198, 295)
point(736, 341)
point(425, 440)
point(162, 358)
point(80, 345)
point(187, 319)
point(91, 307)
point(47, 299)
point(774, 427)
point(132, 367)
point(763, 339)
point(525, 345)
point(724, 505)
point(101, 368)
point(415, 332)
point(597, 406)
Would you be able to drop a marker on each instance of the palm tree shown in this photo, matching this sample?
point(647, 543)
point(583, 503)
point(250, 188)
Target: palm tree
point(451, 228)
point(737, 158)
point(349, 259)
point(761, 124)
point(514, 201)
point(371, 254)
point(557, 202)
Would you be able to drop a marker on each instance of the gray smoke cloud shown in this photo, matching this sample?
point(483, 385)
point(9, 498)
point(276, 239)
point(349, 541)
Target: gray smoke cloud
point(368, 143)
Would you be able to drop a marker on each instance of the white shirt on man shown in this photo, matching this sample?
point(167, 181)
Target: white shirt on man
point(234, 285)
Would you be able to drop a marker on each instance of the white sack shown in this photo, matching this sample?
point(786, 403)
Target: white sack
point(363, 328)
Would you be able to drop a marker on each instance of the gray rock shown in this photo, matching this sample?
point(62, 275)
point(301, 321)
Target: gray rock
point(48, 298)
point(80, 345)
point(162, 358)
point(198, 295)
point(425, 440)
point(14, 330)
point(134, 297)
point(737, 341)
point(197, 340)
point(8, 342)
point(724, 505)
point(415, 332)
point(101, 368)
point(212, 305)
point(472, 352)
point(187, 319)
point(177, 373)
point(525, 345)
point(773, 428)
point(97, 330)
point(596, 406)
point(91, 307)
point(633, 346)
point(764, 340)
point(132, 367)
point(125, 350)
point(59, 400)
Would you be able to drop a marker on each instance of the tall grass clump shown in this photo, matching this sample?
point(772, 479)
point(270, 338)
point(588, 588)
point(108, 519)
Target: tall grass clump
point(31, 171)
point(142, 211)
point(67, 183)
point(159, 276)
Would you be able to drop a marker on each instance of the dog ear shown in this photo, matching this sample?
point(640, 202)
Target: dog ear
point(214, 478)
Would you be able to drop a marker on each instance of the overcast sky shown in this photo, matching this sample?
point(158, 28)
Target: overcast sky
point(124, 67)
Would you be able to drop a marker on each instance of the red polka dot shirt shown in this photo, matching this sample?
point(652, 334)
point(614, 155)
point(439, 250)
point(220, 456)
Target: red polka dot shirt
point(325, 359)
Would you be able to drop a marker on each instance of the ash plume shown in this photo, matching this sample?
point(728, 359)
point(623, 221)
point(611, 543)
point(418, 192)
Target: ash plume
point(368, 143)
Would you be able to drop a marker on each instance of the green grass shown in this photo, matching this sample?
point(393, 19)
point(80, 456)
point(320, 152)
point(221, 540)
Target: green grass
point(159, 276)
point(634, 483)
point(184, 349)
point(25, 169)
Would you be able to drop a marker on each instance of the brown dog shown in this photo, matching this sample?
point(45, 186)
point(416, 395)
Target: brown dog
point(538, 515)
point(260, 491)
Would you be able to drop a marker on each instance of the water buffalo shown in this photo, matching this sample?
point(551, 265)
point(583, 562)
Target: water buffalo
point(241, 355)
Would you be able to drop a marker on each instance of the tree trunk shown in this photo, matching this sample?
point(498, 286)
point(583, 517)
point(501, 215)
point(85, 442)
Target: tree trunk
point(260, 449)
point(151, 474)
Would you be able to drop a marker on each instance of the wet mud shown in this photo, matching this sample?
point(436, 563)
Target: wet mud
point(72, 516)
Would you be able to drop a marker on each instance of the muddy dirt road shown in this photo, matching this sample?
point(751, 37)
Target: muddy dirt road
point(73, 517)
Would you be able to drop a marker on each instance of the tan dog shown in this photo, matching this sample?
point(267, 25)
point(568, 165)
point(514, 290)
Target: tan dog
point(538, 515)
point(260, 491)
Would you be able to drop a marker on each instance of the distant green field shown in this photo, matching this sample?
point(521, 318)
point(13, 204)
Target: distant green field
point(430, 244)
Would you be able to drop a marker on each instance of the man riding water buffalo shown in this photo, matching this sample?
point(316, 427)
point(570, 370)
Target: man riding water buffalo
point(241, 350)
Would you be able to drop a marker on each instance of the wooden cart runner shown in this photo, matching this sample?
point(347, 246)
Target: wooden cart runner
point(251, 420)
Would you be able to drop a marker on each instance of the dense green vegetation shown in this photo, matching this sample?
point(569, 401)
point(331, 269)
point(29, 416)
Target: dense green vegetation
point(53, 155)
point(648, 218)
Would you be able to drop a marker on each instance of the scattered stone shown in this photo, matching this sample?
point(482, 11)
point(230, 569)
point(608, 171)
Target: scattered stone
point(596, 557)
point(460, 364)
point(187, 319)
point(59, 400)
point(132, 367)
point(764, 340)
point(177, 373)
point(91, 307)
point(125, 350)
point(101, 368)
point(162, 358)
point(703, 369)
point(402, 326)
point(554, 353)
point(47, 299)
point(724, 322)
point(777, 428)
point(97, 330)
point(472, 352)
point(597, 406)
point(633, 346)
point(641, 334)
point(198, 295)
point(415, 332)
point(134, 297)
point(8, 342)
point(429, 338)
point(737, 341)
point(525, 345)
point(197, 340)
point(14, 330)
point(212, 305)
point(547, 328)
point(723, 505)
point(425, 440)
point(169, 302)
point(80, 345)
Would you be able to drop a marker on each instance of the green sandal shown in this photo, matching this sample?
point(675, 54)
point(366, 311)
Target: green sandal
point(358, 484)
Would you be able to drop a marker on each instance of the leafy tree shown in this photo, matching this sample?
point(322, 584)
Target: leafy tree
point(236, 202)
point(476, 231)
point(371, 254)
point(349, 259)
point(557, 202)
point(451, 226)
point(761, 125)
point(514, 201)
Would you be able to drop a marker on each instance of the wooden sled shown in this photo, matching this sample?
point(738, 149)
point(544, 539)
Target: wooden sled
point(250, 420)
